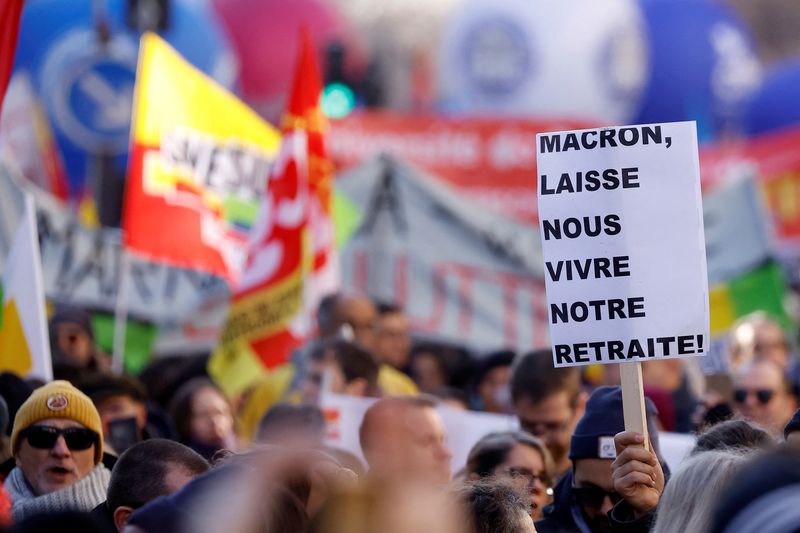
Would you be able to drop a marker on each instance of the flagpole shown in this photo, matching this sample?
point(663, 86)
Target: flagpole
point(121, 314)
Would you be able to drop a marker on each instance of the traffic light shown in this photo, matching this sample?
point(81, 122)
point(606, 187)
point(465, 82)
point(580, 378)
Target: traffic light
point(338, 97)
point(338, 100)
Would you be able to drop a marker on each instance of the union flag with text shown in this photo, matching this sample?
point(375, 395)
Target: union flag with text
point(261, 329)
point(199, 162)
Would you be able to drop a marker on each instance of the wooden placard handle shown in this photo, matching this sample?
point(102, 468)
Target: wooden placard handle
point(633, 399)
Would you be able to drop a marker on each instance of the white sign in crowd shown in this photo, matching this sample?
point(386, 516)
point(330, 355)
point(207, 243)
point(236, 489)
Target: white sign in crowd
point(621, 222)
point(343, 415)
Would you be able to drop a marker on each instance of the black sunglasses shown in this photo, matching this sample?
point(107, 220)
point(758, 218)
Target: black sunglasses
point(593, 496)
point(763, 395)
point(45, 437)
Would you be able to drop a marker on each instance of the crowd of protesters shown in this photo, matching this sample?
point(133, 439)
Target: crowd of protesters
point(168, 451)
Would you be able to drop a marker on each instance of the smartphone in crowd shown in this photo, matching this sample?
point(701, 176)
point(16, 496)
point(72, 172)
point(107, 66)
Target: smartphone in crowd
point(123, 433)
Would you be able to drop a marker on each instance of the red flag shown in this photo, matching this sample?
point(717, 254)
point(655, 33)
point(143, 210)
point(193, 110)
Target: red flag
point(271, 316)
point(10, 12)
point(261, 329)
point(303, 112)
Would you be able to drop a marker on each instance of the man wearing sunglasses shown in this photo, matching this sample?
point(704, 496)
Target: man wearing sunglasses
point(763, 394)
point(57, 445)
point(602, 493)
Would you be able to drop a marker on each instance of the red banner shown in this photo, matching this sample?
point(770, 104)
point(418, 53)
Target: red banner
point(494, 160)
point(775, 160)
point(491, 160)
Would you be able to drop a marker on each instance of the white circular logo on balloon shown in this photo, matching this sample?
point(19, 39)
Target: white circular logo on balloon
point(497, 56)
point(623, 64)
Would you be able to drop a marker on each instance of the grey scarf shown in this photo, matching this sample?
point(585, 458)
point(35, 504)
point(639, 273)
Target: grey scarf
point(83, 495)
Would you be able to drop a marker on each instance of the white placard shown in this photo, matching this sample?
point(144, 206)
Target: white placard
point(621, 222)
point(343, 416)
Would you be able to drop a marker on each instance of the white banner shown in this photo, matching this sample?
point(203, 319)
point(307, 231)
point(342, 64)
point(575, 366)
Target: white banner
point(81, 265)
point(621, 222)
point(343, 415)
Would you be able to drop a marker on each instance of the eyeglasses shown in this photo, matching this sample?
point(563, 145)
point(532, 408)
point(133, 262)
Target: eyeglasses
point(763, 395)
point(519, 475)
point(593, 496)
point(45, 437)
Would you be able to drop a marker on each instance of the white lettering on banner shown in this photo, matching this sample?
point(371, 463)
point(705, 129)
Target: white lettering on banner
point(443, 147)
point(227, 167)
point(623, 243)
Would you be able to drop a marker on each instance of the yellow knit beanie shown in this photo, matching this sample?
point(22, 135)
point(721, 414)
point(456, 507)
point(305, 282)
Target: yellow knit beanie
point(58, 399)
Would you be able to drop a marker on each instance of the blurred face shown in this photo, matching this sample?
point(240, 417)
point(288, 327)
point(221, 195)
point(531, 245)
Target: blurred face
point(427, 372)
point(49, 470)
point(427, 451)
point(212, 421)
point(494, 390)
point(119, 407)
point(317, 371)
point(594, 490)
point(74, 343)
point(553, 420)
point(393, 339)
point(760, 396)
point(666, 374)
point(770, 343)
point(359, 312)
point(312, 382)
point(524, 467)
point(414, 508)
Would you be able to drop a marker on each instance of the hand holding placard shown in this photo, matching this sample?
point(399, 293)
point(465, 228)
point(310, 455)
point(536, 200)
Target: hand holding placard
point(636, 472)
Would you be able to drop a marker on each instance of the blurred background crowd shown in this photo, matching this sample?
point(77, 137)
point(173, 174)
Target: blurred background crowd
point(427, 364)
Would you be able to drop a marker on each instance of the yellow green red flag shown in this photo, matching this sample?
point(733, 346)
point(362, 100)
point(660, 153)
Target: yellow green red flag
point(198, 165)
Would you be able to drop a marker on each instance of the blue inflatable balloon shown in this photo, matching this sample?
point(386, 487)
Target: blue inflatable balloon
point(86, 83)
point(703, 66)
point(776, 105)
